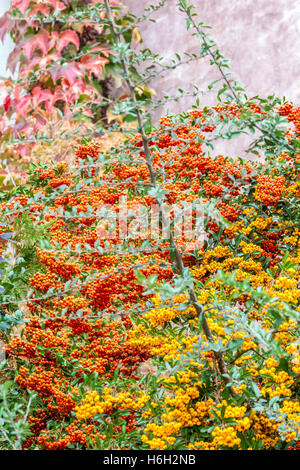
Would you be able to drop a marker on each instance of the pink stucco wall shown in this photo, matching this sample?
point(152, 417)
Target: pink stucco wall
point(259, 37)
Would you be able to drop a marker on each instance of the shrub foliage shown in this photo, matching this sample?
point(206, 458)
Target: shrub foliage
point(138, 335)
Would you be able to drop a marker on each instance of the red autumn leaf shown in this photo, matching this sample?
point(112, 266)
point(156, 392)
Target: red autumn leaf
point(65, 38)
point(46, 96)
point(6, 103)
point(22, 149)
point(40, 122)
point(70, 72)
point(42, 62)
point(43, 96)
point(5, 25)
point(21, 5)
point(104, 51)
point(23, 104)
point(44, 9)
point(40, 40)
point(94, 65)
point(13, 59)
point(58, 6)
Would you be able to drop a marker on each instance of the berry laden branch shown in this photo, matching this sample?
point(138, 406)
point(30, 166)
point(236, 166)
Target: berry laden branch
point(179, 261)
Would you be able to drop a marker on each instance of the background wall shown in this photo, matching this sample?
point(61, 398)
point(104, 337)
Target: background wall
point(259, 37)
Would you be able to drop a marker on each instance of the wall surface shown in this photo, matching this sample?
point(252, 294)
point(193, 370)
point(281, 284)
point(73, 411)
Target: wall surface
point(259, 37)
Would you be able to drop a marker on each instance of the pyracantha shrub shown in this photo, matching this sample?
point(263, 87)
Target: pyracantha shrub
point(112, 347)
